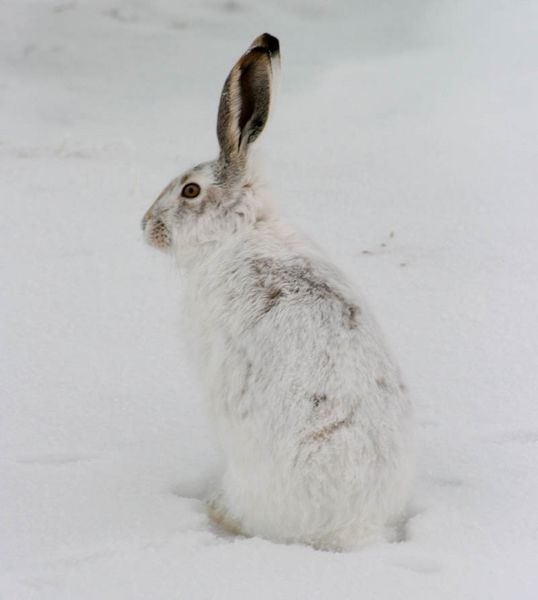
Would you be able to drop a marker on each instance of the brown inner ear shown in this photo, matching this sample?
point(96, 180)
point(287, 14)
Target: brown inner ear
point(254, 85)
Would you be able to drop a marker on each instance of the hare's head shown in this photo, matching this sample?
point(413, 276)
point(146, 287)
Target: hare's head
point(216, 199)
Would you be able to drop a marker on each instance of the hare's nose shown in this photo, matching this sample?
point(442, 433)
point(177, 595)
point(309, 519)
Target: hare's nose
point(145, 219)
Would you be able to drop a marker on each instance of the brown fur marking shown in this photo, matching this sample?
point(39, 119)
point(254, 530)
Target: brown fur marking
point(328, 430)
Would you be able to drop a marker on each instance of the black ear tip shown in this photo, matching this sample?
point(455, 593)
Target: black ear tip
point(270, 42)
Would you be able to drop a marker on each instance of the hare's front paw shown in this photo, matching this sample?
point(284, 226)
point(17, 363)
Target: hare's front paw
point(221, 517)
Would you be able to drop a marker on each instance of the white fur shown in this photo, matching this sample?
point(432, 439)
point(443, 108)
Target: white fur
point(307, 405)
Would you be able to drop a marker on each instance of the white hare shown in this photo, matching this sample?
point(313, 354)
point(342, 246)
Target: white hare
point(309, 409)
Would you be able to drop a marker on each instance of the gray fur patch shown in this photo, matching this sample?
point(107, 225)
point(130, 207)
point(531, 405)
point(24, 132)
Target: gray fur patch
point(382, 383)
point(248, 374)
point(280, 279)
point(227, 173)
point(317, 399)
point(350, 314)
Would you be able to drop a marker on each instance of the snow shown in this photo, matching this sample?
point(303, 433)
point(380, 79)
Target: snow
point(404, 141)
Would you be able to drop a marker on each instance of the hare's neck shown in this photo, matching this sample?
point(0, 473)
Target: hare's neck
point(190, 259)
point(193, 259)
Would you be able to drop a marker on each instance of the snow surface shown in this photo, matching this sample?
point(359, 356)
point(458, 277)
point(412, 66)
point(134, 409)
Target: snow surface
point(405, 142)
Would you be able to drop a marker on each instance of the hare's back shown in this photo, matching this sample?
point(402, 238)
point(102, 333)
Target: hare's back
point(298, 321)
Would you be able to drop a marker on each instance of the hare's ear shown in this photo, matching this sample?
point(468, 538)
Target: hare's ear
point(246, 98)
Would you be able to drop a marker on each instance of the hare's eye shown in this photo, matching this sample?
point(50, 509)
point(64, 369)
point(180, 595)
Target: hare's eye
point(191, 190)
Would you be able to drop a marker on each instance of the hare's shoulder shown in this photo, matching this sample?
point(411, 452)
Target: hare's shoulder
point(263, 284)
